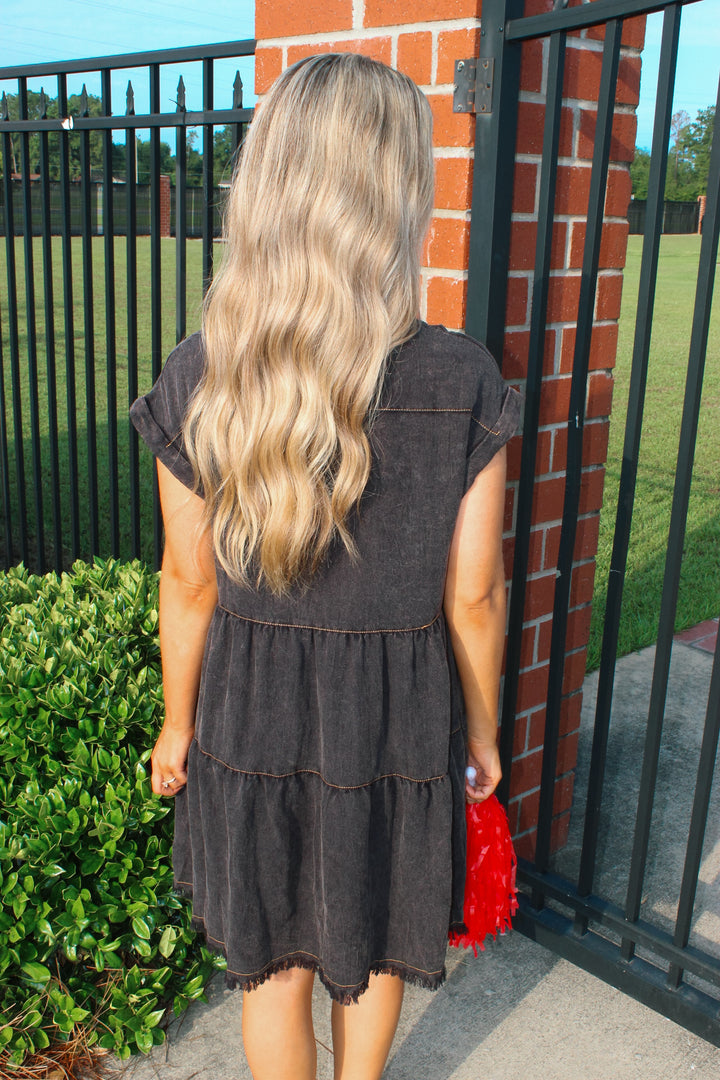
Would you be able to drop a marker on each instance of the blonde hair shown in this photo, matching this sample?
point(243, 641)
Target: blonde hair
point(324, 225)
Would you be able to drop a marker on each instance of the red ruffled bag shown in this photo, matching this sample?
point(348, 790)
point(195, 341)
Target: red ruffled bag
point(491, 866)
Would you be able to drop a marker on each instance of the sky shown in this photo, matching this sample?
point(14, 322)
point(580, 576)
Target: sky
point(37, 31)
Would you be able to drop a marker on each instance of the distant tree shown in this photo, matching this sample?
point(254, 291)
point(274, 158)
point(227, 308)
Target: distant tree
point(688, 158)
point(640, 173)
point(94, 106)
point(167, 161)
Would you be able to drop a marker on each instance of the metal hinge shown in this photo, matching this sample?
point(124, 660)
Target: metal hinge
point(473, 85)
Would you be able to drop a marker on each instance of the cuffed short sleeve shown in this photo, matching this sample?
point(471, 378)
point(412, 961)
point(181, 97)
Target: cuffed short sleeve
point(494, 419)
point(159, 415)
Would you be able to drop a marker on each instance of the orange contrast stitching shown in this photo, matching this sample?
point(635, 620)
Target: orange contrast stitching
point(314, 772)
point(329, 629)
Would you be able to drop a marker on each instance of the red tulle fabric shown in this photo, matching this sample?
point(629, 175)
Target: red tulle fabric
point(490, 892)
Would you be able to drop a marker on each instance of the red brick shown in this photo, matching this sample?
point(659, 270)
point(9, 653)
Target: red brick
point(508, 555)
point(525, 846)
point(529, 809)
point(619, 189)
point(628, 86)
point(633, 34)
point(548, 499)
point(552, 544)
point(539, 596)
point(446, 302)
point(514, 453)
point(613, 245)
point(563, 793)
point(554, 401)
point(450, 128)
point(595, 441)
point(599, 394)
point(609, 296)
point(268, 66)
point(573, 189)
point(622, 142)
point(544, 638)
point(592, 485)
point(531, 117)
point(563, 297)
point(536, 722)
point(455, 45)
point(531, 66)
point(379, 48)
point(453, 183)
point(570, 713)
point(582, 71)
point(515, 354)
point(603, 347)
point(414, 56)
point(524, 188)
point(567, 754)
point(396, 12)
point(525, 773)
point(509, 513)
point(516, 304)
point(586, 537)
point(573, 673)
point(527, 646)
point(446, 244)
point(581, 586)
point(578, 629)
point(523, 238)
point(284, 18)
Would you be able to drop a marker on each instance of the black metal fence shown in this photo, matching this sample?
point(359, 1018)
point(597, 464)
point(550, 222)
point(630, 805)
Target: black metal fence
point(193, 216)
point(678, 217)
point(85, 322)
point(619, 942)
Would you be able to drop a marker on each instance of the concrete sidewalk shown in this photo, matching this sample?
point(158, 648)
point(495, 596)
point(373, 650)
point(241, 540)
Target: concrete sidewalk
point(517, 1012)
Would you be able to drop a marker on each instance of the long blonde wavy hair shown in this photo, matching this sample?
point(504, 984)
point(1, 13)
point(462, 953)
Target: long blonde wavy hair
point(324, 224)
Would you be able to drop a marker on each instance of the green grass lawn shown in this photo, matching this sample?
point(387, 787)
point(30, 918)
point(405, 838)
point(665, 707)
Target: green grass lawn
point(168, 304)
point(700, 588)
point(699, 596)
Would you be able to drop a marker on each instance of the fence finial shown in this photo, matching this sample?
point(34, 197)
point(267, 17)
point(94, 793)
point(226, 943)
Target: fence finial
point(84, 107)
point(42, 104)
point(237, 92)
point(180, 106)
point(130, 100)
point(4, 113)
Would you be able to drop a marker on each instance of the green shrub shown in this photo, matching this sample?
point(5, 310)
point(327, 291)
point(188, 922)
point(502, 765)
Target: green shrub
point(93, 938)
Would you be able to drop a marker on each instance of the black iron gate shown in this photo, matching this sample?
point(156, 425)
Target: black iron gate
point(613, 940)
point(69, 458)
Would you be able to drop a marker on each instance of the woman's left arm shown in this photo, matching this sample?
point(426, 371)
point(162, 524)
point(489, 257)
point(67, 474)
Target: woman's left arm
point(188, 596)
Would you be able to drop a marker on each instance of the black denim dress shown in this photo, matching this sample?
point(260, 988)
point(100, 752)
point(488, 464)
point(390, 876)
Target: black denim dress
point(322, 825)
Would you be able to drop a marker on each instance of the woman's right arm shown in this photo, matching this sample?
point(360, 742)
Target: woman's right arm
point(188, 596)
point(475, 611)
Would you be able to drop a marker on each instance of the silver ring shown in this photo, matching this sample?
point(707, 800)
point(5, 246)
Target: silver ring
point(170, 780)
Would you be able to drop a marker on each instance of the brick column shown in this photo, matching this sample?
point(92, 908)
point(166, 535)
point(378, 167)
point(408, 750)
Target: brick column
point(424, 38)
point(164, 205)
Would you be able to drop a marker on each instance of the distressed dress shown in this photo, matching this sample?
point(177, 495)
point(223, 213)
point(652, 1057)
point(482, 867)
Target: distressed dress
point(322, 825)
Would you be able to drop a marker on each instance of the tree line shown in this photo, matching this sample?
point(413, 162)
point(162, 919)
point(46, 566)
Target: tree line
point(688, 160)
point(222, 147)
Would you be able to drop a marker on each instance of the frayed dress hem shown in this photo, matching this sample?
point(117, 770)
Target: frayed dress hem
point(344, 995)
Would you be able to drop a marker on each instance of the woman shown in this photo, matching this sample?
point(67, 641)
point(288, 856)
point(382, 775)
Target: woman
point(332, 591)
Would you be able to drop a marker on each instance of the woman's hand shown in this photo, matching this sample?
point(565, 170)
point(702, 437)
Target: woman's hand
point(484, 758)
point(169, 761)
